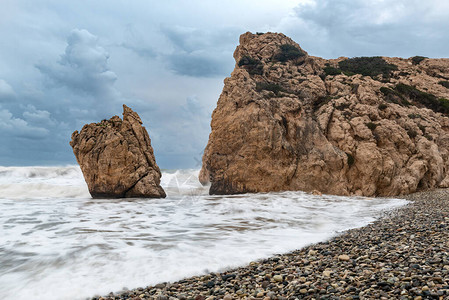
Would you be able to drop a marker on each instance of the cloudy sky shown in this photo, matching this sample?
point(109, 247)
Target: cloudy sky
point(67, 63)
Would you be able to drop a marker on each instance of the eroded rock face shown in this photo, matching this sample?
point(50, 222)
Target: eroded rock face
point(117, 159)
point(289, 121)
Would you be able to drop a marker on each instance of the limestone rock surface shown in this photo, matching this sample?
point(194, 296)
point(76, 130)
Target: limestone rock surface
point(117, 159)
point(286, 120)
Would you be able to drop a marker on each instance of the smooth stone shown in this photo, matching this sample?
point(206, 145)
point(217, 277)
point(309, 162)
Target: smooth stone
point(343, 257)
point(313, 252)
point(265, 284)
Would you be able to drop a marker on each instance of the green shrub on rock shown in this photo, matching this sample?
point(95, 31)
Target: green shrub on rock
point(414, 116)
point(444, 103)
point(331, 71)
point(382, 106)
point(367, 66)
point(402, 93)
point(350, 159)
point(428, 100)
point(391, 95)
point(444, 83)
point(320, 101)
point(287, 52)
point(412, 133)
point(371, 125)
point(417, 59)
point(252, 65)
point(267, 86)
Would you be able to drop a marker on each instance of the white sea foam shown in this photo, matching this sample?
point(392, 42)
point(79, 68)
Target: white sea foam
point(42, 182)
point(58, 243)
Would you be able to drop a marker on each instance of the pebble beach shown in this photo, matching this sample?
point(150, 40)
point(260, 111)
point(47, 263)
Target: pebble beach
point(403, 255)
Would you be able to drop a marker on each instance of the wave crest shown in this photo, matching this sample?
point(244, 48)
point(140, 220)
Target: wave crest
point(68, 182)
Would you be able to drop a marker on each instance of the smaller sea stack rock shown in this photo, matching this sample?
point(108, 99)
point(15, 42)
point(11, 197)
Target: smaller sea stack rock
point(117, 159)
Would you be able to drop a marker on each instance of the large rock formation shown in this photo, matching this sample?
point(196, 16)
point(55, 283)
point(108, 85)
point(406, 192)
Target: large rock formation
point(285, 120)
point(117, 159)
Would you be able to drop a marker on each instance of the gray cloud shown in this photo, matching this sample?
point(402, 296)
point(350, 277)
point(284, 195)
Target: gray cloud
point(362, 28)
point(138, 41)
point(83, 68)
point(139, 50)
point(16, 127)
point(187, 139)
point(198, 52)
point(197, 64)
point(36, 116)
point(190, 39)
point(187, 51)
point(6, 91)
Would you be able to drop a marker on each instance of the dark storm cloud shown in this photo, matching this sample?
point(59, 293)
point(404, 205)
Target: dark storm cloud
point(389, 28)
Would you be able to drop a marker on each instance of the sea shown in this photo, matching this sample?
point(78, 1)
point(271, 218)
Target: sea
point(56, 242)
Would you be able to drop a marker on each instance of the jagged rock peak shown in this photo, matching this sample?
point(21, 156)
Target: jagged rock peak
point(263, 46)
point(117, 159)
point(372, 126)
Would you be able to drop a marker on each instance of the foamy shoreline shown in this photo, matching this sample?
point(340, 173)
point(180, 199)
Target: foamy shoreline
point(52, 227)
point(404, 255)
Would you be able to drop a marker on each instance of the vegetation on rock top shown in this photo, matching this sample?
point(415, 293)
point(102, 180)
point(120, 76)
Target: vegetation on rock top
point(328, 70)
point(417, 59)
point(288, 52)
point(367, 66)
